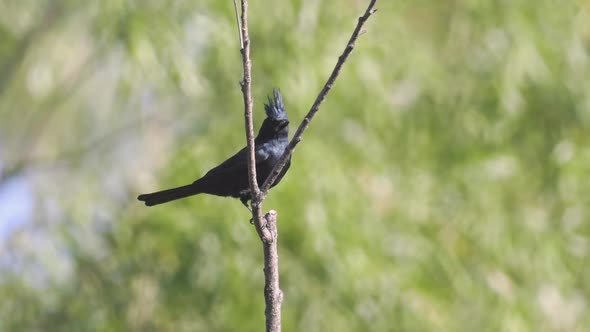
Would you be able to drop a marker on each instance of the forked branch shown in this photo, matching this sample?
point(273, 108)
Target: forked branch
point(266, 226)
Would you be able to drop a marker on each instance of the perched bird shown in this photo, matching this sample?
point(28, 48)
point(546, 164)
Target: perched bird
point(230, 178)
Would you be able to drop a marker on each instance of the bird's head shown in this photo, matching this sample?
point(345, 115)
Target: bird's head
point(276, 122)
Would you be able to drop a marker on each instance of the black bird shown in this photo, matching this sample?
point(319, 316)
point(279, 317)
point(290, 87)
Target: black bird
point(230, 178)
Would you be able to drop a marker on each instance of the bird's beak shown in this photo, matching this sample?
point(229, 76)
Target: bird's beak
point(283, 124)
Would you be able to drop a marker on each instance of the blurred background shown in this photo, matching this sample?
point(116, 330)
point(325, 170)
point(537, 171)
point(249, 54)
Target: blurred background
point(443, 186)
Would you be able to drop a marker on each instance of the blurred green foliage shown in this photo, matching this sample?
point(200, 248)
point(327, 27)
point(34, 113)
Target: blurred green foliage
point(442, 187)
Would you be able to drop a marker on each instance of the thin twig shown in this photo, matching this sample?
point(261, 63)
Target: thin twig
point(246, 84)
point(239, 24)
point(266, 227)
point(320, 98)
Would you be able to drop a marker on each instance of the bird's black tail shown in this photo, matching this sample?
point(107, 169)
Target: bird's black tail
point(168, 195)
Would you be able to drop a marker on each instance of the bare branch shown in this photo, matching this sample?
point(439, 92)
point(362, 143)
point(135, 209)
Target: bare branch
point(273, 296)
point(266, 227)
point(320, 98)
point(246, 85)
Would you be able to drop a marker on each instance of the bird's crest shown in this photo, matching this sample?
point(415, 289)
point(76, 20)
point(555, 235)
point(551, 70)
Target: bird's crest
point(275, 109)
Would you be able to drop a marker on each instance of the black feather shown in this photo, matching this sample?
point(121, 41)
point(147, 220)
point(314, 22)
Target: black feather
point(275, 109)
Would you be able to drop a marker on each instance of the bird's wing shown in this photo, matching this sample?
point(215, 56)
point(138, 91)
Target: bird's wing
point(239, 161)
